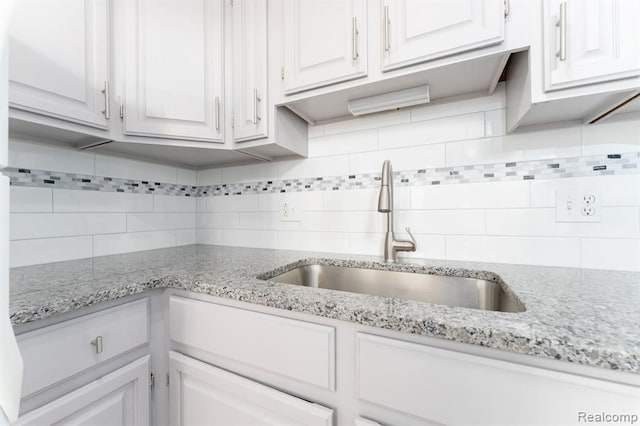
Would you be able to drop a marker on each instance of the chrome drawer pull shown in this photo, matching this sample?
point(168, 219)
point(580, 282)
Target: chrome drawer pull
point(97, 342)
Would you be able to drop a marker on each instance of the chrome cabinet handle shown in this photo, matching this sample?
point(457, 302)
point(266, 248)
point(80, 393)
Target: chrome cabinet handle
point(354, 37)
point(387, 45)
point(561, 24)
point(217, 113)
point(255, 106)
point(107, 108)
point(97, 343)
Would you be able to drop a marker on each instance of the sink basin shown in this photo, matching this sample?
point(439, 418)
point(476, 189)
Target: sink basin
point(447, 290)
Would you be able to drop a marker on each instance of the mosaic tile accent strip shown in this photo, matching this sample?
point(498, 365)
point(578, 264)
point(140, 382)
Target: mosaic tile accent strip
point(597, 165)
point(628, 163)
point(59, 180)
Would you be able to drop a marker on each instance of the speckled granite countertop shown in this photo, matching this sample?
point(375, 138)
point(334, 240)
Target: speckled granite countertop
point(589, 317)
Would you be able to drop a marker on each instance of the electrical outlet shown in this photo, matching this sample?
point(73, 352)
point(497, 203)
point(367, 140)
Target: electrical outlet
point(290, 211)
point(578, 205)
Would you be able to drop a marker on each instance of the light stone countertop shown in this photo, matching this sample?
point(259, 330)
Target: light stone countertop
point(590, 317)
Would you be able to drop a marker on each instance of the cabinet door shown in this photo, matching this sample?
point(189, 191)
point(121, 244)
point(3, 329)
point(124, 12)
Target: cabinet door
point(201, 394)
point(250, 69)
point(590, 41)
point(325, 42)
point(119, 398)
point(416, 31)
point(173, 69)
point(58, 59)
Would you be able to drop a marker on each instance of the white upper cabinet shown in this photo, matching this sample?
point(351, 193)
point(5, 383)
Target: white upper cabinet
point(59, 59)
point(324, 42)
point(250, 69)
point(590, 41)
point(415, 31)
point(174, 69)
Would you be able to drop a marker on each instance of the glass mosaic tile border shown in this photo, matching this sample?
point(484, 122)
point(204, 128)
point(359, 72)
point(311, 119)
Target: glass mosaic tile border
point(595, 165)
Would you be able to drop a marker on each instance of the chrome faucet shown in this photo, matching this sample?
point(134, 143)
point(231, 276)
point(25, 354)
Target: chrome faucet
point(385, 205)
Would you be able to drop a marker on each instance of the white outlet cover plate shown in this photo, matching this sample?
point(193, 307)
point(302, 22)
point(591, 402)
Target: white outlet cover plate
point(571, 201)
point(290, 210)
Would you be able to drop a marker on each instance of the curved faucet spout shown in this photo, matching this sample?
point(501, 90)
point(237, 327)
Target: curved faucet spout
point(385, 205)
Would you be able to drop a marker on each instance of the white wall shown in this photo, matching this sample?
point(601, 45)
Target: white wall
point(49, 225)
point(510, 222)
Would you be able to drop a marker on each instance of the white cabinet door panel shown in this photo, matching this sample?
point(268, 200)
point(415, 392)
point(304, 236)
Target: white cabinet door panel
point(250, 69)
point(59, 59)
point(325, 42)
point(117, 399)
point(173, 68)
point(201, 394)
point(419, 30)
point(601, 39)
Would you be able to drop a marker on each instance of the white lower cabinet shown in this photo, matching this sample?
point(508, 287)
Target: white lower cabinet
point(119, 398)
point(201, 394)
point(448, 387)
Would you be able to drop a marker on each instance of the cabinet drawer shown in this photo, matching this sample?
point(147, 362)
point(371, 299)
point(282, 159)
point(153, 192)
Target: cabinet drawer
point(54, 353)
point(291, 348)
point(454, 388)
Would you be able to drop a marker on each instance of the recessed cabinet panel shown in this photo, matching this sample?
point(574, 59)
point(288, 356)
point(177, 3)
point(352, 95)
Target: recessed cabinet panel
point(201, 394)
point(118, 399)
point(325, 42)
point(58, 62)
point(173, 68)
point(434, 384)
point(590, 41)
point(250, 97)
point(416, 31)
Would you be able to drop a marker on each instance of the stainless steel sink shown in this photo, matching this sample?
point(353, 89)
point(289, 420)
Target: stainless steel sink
point(440, 289)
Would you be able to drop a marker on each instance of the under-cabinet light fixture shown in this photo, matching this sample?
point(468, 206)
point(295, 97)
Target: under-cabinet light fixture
point(389, 101)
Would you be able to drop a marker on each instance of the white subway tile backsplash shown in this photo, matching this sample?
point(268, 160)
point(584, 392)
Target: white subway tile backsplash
point(459, 127)
point(249, 173)
point(209, 177)
point(621, 134)
point(134, 169)
point(363, 199)
point(495, 123)
point(343, 143)
point(186, 177)
point(185, 237)
point(221, 220)
point(170, 203)
point(209, 236)
point(609, 253)
point(47, 250)
point(306, 201)
point(544, 144)
point(27, 199)
point(471, 195)
point(617, 222)
point(104, 245)
point(68, 200)
point(616, 190)
point(412, 158)
point(266, 221)
point(137, 222)
point(345, 221)
point(336, 242)
point(313, 167)
point(428, 247)
point(371, 121)
point(519, 250)
point(45, 157)
point(230, 203)
point(315, 131)
point(47, 225)
point(444, 222)
point(250, 238)
point(201, 204)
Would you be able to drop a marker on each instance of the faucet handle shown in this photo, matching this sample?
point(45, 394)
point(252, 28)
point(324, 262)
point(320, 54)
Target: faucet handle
point(413, 240)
